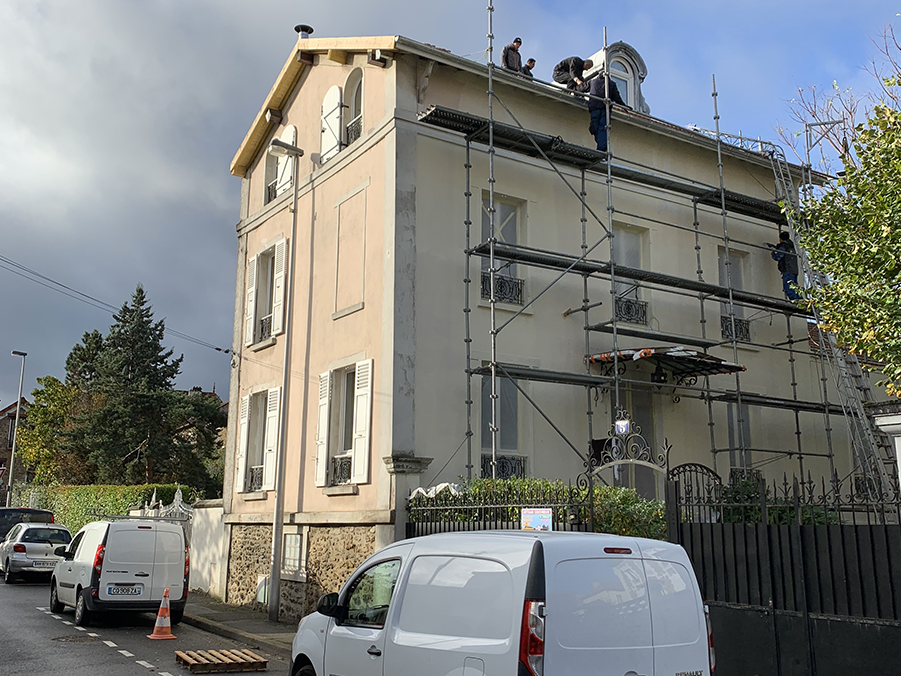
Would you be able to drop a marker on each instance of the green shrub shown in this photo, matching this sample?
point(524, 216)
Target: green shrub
point(74, 506)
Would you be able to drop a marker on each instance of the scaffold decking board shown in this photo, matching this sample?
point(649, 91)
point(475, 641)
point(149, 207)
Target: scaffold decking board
point(220, 661)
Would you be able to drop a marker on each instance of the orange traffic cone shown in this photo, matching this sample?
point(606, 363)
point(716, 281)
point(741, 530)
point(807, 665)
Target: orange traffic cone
point(163, 627)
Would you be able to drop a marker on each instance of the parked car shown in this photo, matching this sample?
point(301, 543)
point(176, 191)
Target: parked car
point(512, 602)
point(29, 548)
point(122, 565)
point(10, 516)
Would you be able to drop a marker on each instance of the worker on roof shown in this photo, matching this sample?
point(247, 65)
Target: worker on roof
point(511, 58)
point(597, 108)
point(569, 72)
point(527, 69)
point(786, 256)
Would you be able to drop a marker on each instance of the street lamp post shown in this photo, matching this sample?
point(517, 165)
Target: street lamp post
point(282, 149)
point(12, 455)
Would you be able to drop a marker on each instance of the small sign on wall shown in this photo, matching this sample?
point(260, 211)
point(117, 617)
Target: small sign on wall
point(537, 519)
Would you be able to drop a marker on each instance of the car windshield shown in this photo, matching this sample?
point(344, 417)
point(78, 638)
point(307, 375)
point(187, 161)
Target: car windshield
point(54, 536)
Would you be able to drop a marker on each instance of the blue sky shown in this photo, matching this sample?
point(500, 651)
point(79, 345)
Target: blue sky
point(118, 119)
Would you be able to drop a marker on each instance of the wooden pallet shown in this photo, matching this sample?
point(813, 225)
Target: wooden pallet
point(219, 661)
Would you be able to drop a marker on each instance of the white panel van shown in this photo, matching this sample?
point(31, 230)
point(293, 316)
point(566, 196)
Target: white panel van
point(122, 565)
point(516, 603)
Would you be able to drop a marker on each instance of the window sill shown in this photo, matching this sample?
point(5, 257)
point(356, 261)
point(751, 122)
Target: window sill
point(346, 489)
point(294, 575)
point(505, 307)
point(347, 311)
point(263, 344)
point(256, 495)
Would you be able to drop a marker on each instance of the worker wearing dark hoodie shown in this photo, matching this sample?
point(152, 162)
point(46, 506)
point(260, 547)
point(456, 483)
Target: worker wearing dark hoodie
point(597, 108)
point(569, 73)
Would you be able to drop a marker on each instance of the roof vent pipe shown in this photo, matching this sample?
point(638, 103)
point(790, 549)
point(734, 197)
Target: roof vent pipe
point(303, 30)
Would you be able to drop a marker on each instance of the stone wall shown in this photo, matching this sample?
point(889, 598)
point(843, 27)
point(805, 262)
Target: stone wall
point(333, 553)
point(251, 553)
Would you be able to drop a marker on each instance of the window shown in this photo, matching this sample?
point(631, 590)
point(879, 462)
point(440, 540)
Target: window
point(510, 464)
point(742, 325)
point(508, 288)
point(258, 428)
point(53, 536)
point(369, 595)
point(621, 74)
point(672, 594)
point(627, 252)
point(265, 295)
point(332, 128)
point(11, 432)
point(735, 459)
point(279, 171)
point(354, 86)
point(343, 430)
point(294, 556)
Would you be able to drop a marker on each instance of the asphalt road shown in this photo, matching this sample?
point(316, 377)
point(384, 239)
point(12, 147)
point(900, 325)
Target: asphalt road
point(35, 641)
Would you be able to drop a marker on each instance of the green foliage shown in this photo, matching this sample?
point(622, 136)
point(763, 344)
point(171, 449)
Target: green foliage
point(854, 237)
point(742, 500)
point(74, 506)
point(616, 510)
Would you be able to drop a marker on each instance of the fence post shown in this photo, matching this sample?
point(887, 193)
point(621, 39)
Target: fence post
point(764, 515)
point(672, 511)
point(796, 499)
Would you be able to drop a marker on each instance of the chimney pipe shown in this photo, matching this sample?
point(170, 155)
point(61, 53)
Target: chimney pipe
point(303, 30)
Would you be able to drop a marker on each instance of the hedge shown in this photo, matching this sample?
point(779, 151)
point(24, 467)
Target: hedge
point(74, 506)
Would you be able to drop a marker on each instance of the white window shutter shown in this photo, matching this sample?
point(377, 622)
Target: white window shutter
point(278, 283)
point(332, 117)
point(322, 429)
point(284, 172)
point(270, 445)
point(359, 471)
point(250, 303)
point(241, 454)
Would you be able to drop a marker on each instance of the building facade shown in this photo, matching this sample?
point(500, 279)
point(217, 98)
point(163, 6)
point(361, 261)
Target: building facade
point(392, 200)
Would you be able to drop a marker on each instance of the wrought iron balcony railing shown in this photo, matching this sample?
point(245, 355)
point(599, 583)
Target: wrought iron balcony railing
point(341, 466)
point(506, 289)
point(255, 480)
point(354, 129)
point(508, 466)
point(632, 310)
point(270, 191)
point(265, 328)
point(742, 329)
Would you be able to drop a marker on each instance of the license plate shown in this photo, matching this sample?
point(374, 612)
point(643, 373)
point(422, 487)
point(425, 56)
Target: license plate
point(44, 564)
point(124, 590)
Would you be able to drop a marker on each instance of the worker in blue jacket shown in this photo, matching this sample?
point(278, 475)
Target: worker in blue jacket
point(786, 256)
point(597, 108)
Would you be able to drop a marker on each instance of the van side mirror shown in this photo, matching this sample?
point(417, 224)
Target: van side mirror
point(60, 551)
point(328, 605)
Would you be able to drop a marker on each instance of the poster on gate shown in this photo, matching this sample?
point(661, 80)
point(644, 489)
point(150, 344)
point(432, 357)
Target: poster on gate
point(537, 518)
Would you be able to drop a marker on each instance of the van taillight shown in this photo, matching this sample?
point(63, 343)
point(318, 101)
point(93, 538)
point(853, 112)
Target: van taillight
point(531, 639)
point(19, 548)
point(52, 520)
point(187, 561)
point(98, 559)
point(711, 654)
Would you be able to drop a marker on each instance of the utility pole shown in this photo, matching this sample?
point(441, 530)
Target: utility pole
point(12, 456)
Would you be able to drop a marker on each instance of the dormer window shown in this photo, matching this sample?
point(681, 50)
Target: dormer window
point(621, 74)
point(354, 91)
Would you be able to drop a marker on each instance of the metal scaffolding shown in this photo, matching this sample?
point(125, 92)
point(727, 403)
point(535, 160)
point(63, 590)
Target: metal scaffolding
point(848, 381)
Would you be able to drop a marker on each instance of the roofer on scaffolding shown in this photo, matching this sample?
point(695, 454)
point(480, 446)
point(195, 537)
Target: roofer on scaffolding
point(786, 256)
point(597, 108)
point(569, 73)
point(511, 59)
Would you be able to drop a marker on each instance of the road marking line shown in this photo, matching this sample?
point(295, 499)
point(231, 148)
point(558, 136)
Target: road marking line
point(90, 633)
point(126, 653)
point(111, 644)
point(39, 608)
point(55, 617)
point(67, 622)
point(164, 673)
point(81, 629)
point(47, 612)
point(145, 664)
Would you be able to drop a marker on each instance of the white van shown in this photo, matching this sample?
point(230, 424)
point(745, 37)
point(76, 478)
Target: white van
point(122, 565)
point(515, 603)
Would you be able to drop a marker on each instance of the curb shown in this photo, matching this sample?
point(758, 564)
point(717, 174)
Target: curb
point(214, 627)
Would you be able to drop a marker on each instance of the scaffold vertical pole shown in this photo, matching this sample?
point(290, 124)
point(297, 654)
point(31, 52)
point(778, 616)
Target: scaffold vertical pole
point(492, 240)
point(467, 310)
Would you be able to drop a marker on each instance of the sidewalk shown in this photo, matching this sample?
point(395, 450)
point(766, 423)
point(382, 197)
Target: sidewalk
point(239, 623)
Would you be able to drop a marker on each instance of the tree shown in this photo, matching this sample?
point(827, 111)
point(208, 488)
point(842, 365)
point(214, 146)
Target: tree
point(854, 237)
point(81, 364)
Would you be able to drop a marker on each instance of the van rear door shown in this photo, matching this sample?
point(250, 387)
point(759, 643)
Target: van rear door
point(128, 561)
point(598, 614)
point(168, 562)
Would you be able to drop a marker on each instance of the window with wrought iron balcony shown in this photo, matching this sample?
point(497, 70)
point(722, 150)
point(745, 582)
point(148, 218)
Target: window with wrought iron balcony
point(508, 287)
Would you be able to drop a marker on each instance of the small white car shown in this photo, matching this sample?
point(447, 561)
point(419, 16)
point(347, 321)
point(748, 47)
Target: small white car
point(29, 548)
point(512, 602)
point(122, 565)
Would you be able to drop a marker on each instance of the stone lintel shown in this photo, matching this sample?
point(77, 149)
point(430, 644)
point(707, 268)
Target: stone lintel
point(407, 464)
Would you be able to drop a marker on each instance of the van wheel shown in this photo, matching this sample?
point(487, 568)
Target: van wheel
point(176, 615)
point(55, 605)
point(82, 614)
point(8, 576)
point(305, 670)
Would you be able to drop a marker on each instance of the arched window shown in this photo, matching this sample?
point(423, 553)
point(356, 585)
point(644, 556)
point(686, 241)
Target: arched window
point(621, 74)
point(354, 101)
